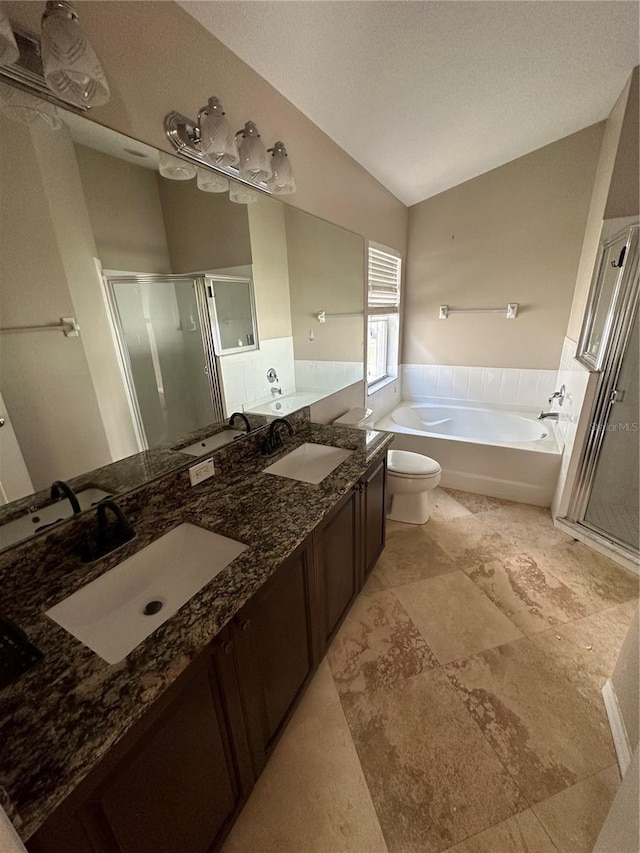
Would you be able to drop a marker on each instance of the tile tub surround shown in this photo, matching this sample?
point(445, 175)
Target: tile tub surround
point(244, 374)
point(519, 652)
point(506, 385)
point(329, 375)
point(61, 718)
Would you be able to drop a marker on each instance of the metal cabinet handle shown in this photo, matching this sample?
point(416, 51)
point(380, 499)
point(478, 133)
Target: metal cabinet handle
point(227, 648)
point(244, 624)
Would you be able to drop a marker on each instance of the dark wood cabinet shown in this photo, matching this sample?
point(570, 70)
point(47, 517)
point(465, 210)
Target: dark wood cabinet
point(176, 782)
point(336, 549)
point(373, 516)
point(178, 779)
point(273, 637)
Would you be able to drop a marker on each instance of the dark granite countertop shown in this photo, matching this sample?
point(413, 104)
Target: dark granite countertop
point(59, 719)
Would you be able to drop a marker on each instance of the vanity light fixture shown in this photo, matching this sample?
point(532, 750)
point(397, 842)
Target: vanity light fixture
point(71, 68)
point(281, 180)
point(208, 144)
point(61, 66)
point(21, 106)
point(9, 51)
point(254, 161)
point(217, 140)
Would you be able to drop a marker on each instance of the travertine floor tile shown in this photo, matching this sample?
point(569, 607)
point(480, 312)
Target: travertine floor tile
point(574, 818)
point(548, 734)
point(469, 541)
point(598, 581)
point(586, 651)
point(522, 833)
point(532, 598)
point(377, 645)
point(526, 526)
point(433, 778)
point(476, 503)
point(312, 795)
point(411, 555)
point(445, 506)
point(455, 617)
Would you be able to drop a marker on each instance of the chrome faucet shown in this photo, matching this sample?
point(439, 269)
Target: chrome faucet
point(549, 416)
point(276, 391)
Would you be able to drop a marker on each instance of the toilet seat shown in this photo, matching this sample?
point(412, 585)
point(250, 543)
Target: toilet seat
point(404, 463)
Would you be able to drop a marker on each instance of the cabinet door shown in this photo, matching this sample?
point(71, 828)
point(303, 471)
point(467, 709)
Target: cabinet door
point(336, 550)
point(373, 516)
point(274, 647)
point(178, 787)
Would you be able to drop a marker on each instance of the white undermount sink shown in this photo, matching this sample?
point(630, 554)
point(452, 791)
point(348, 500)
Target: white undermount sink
point(108, 615)
point(206, 445)
point(309, 463)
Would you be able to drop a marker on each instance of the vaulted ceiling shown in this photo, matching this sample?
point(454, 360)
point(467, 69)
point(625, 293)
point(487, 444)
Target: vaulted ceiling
point(426, 95)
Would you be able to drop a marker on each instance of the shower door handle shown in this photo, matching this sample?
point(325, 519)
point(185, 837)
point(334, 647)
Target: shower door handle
point(617, 396)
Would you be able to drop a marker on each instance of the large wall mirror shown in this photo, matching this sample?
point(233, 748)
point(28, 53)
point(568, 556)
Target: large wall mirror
point(189, 306)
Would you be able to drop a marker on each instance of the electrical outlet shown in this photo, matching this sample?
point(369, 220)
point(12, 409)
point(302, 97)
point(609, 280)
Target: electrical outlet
point(201, 472)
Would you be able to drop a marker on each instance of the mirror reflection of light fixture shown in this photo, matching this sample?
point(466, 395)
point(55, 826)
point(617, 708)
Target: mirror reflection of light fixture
point(175, 169)
point(254, 161)
point(281, 180)
point(242, 194)
point(210, 182)
point(9, 52)
point(26, 108)
point(71, 68)
point(217, 140)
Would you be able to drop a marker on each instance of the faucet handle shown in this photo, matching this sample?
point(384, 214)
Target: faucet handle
point(559, 395)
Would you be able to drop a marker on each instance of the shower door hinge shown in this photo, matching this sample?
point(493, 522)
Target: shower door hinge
point(617, 396)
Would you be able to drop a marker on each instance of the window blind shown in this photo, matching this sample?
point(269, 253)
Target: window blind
point(384, 272)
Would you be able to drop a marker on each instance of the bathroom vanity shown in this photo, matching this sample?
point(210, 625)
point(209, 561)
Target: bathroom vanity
point(159, 752)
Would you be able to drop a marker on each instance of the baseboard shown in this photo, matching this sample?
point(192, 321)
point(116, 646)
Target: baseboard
point(617, 726)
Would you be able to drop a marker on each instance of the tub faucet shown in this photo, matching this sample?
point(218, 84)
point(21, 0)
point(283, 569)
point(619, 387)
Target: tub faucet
point(549, 416)
point(276, 391)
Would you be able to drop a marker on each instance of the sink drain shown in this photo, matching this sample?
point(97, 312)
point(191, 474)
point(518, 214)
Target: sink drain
point(152, 607)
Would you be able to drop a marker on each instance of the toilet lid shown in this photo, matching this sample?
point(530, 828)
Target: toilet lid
point(404, 462)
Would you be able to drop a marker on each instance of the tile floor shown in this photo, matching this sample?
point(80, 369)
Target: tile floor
point(459, 707)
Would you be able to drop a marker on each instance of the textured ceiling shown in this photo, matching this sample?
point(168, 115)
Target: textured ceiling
point(426, 95)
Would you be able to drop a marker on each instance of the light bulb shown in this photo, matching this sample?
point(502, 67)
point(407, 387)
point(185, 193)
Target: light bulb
point(9, 52)
point(241, 194)
point(254, 160)
point(209, 182)
point(28, 109)
point(175, 169)
point(281, 181)
point(217, 141)
point(71, 68)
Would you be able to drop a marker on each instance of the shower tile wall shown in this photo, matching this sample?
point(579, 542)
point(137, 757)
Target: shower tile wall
point(244, 374)
point(511, 386)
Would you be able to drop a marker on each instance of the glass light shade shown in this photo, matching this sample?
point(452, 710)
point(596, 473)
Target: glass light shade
point(71, 68)
point(217, 140)
point(175, 169)
point(241, 194)
point(254, 161)
point(209, 182)
point(281, 180)
point(28, 109)
point(9, 51)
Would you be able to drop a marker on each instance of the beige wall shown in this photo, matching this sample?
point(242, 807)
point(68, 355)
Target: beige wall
point(205, 231)
point(511, 235)
point(326, 273)
point(157, 58)
point(124, 208)
point(608, 161)
point(270, 268)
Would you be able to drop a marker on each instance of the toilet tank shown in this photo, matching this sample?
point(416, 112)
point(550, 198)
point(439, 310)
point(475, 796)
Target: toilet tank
point(356, 418)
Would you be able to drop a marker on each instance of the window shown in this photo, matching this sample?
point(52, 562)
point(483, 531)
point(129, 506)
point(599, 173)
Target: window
point(383, 300)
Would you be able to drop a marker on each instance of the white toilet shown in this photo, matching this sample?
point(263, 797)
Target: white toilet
point(410, 478)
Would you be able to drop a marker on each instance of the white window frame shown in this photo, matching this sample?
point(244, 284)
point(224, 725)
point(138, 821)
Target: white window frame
point(384, 278)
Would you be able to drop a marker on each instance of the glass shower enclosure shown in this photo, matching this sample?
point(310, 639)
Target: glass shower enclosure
point(164, 336)
point(605, 499)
